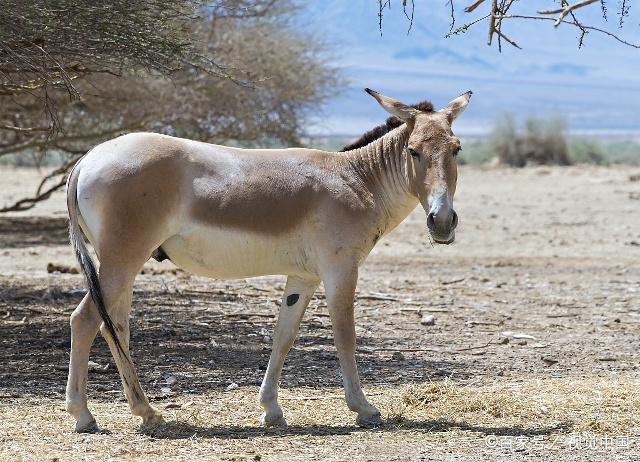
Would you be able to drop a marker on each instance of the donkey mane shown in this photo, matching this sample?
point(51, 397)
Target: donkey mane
point(381, 130)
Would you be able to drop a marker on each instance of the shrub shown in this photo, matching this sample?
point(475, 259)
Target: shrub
point(584, 151)
point(541, 142)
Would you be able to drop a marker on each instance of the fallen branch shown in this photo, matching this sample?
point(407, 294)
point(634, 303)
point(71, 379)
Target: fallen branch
point(453, 281)
point(475, 347)
point(305, 398)
point(424, 350)
point(377, 296)
point(403, 350)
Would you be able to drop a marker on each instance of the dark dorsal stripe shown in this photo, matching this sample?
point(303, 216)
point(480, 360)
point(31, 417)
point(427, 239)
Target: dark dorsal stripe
point(381, 130)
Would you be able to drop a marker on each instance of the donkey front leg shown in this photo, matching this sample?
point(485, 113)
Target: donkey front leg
point(297, 294)
point(340, 286)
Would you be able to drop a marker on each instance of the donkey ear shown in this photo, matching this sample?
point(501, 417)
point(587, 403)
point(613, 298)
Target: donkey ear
point(457, 106)
point(393, 107)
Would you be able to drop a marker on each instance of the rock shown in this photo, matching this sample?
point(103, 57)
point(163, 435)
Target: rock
point(53, 268)
point(503, 340)
point(232, 386)
point(549, 361)
point(397, 356)
point(428, 320)
point(165, 390)
point(171, 380)
point(97, 368)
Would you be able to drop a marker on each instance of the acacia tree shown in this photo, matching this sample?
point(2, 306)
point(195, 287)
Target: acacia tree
point(217, 71)
point(496, 14)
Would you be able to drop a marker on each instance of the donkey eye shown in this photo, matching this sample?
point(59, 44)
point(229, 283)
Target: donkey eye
point(457, 151)
point(415, 154)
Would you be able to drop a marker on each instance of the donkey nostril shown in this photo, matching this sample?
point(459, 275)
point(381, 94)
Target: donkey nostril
point(431, 224)
point(454, 221)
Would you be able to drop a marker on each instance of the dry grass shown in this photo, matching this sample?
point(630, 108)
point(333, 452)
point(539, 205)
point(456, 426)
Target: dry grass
point(595, 405)
point(222, 425)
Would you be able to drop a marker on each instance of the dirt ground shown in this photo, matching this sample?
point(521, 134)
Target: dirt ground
point(534, 353)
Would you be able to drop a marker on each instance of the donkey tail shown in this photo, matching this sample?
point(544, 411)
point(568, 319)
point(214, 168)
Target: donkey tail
point(84, 258)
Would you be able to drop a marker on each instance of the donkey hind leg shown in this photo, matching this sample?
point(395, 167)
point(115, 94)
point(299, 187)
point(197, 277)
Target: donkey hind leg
point(117, 287)
point(85, 322)
point(296, 297)
point(340, 286)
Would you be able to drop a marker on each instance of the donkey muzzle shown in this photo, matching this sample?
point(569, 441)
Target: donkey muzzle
point(442, 221)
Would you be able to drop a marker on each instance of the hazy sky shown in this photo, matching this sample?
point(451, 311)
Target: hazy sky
point(597, 87)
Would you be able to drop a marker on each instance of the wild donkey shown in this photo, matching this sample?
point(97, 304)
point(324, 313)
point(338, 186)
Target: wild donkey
point(231, 213)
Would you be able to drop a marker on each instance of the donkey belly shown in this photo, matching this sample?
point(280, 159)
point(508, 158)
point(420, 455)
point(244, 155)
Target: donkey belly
point(224, 253)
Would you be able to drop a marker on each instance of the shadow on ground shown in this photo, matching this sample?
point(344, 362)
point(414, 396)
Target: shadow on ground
point(21, 232)
point(207, 346)
point(179, 430)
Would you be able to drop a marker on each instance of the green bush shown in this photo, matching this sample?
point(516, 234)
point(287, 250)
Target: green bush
point(543, 141)
point(586, 151)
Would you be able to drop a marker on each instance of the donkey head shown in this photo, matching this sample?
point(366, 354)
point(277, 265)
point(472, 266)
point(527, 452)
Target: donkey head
point(431, 155)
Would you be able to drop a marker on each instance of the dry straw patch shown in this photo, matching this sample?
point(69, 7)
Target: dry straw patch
point(598, 405)
point(222, 425)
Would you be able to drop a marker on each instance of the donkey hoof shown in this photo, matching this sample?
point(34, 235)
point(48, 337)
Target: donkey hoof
point(153, 419)
point(89, 427)
point(277, 420)
point(370, 421)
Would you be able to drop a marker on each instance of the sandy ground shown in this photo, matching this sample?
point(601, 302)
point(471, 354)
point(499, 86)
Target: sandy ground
point(533, 354)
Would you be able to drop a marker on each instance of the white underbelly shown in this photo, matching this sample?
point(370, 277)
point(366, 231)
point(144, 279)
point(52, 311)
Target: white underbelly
point(223, 253)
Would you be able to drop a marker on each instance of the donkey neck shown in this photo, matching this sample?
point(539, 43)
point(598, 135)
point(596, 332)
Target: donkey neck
point(383, 168)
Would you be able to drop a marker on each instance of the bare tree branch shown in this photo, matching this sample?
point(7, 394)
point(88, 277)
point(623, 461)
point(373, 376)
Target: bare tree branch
point(453, 16)
point(492, 20)
point(413, 9)
point(24, 129)
point(284, 75)
point(473, 6)
point(30, 202)
point(497, 11)
point(502, 35)
point(596, 29)
point(566, 10)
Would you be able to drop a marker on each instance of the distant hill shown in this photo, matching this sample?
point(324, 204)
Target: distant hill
point(596, 88)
